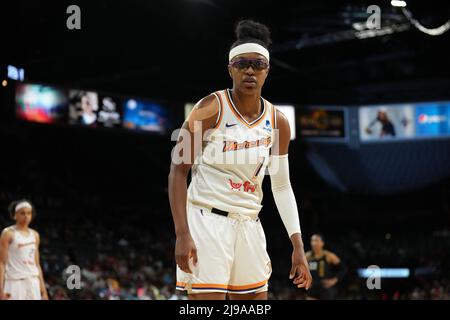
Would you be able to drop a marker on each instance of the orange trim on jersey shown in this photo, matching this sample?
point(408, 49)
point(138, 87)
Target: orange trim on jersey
point(248, 286)
point(250, 125)
point(217, 94)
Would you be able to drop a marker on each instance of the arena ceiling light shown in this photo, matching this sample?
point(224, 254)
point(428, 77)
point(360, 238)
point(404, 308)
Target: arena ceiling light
point(398, 3)
point(430, 31)
point(384, 272)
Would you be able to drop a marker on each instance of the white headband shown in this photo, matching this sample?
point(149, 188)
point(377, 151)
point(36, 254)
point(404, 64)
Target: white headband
point(248, 48)
point(22, 205)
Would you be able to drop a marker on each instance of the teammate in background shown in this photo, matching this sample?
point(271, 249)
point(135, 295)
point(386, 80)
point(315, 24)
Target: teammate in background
point(326, 269)
point(220, 243)
point(21, 275)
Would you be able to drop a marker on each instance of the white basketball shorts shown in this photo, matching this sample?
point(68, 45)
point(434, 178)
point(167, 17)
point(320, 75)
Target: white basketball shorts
point(231, 251)
point(23, 289)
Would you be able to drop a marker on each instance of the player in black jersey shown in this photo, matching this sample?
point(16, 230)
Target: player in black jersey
point(326, 269)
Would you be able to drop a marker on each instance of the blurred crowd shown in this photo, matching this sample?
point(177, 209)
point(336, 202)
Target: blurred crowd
point(132, 258)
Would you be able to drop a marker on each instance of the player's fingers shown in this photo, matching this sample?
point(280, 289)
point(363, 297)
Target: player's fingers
point(186, 268)
point(308, 280)
point(194, 256)
point(308, 283)
point(302, 284)
point(300, 279)
point(292, 272)
point(300, 274)
point(183, 263)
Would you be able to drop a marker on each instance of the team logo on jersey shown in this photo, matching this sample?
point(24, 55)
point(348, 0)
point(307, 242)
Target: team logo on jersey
point(235, 185)
point(313, 265)
point(21, 245)
point(234, 146)
point(248, 186)
point(267, 126)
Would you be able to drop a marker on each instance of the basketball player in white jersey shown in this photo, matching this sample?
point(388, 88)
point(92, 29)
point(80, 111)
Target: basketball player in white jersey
point(21, 275)
point(220, 244)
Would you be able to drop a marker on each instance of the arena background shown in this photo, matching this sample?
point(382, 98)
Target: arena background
point(101, 192)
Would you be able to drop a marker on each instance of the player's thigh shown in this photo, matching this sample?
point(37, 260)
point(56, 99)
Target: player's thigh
point(207, 296)
point(249, 296)
point(251, 267)
point(213, 236)
point(34, 289)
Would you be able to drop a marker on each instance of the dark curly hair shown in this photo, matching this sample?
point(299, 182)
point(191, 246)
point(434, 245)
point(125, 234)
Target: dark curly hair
point(251, 31)
point(12, 208)
point(320, 235)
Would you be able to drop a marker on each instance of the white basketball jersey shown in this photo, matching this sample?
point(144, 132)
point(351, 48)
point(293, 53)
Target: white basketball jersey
point(229, 172)
point(21, 256)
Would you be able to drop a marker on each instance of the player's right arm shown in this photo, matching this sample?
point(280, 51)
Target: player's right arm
point(203, 117)
point(5, 240)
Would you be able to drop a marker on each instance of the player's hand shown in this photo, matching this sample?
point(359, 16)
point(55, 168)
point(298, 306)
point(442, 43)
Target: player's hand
point(328, 283)
point(300, 270)
point(184, 250)
point(4, 296)
point(44, 296)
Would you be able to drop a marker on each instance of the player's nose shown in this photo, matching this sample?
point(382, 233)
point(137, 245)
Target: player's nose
point(249, 71)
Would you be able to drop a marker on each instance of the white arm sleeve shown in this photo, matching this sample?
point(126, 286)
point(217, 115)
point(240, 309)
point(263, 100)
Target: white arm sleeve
point(283, 193)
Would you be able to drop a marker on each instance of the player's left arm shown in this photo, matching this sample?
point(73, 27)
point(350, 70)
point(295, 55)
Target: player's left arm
point(338, 266)
point(43, 289)
point(286, 202)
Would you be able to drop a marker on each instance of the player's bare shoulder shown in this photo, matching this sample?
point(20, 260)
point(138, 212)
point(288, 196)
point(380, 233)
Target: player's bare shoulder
point(209, 101)
point(7, 233)
point(205, 110)
point(281, 119)
point(36, 234)
point(308, 255)
point(331, 257)
point(283, 133)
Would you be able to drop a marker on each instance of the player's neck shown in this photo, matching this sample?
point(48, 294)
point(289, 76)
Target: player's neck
point(247, 104)
point(21, 227)
point(318, 253)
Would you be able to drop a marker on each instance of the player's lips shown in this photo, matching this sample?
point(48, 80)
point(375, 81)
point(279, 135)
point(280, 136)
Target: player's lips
point(250, 82)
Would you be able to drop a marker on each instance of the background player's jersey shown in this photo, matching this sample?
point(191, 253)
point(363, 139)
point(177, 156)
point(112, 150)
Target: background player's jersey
point(320, 270)
point(319, 267)
point(21, 256)
point(229, 172)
